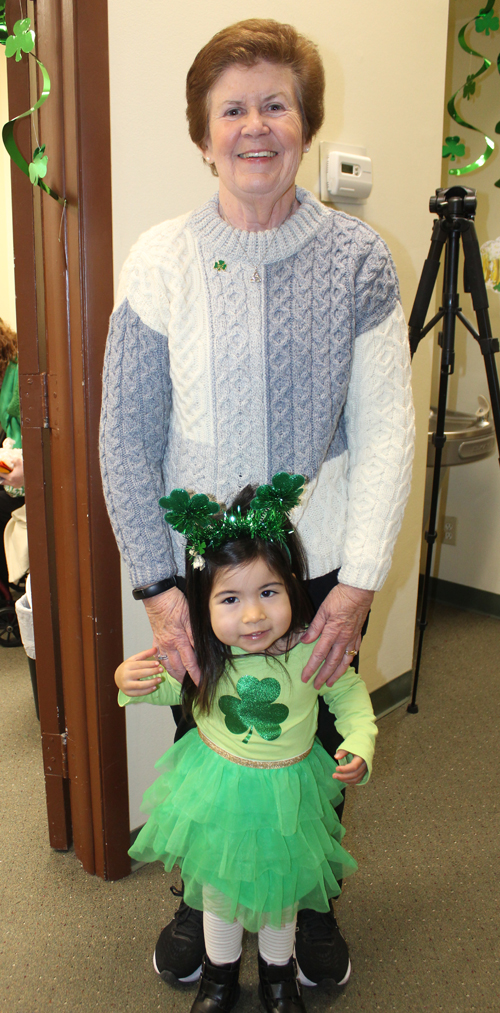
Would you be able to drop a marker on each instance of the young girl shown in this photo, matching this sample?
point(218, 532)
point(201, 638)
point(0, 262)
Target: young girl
point(245, 801)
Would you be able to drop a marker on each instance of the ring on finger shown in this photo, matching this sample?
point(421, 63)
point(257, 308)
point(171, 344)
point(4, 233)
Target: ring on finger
point(162, 657)
point(351, 653)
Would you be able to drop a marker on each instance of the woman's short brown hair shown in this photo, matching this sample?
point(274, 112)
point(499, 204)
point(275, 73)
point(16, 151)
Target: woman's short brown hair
point(246, 43)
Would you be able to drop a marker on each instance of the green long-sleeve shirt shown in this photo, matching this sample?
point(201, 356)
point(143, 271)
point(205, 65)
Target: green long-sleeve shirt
point(10, 416)
point(263, 711)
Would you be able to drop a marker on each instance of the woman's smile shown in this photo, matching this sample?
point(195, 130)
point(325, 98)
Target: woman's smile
point(258, 154)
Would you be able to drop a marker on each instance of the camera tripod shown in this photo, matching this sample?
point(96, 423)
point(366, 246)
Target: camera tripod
point(455, 207)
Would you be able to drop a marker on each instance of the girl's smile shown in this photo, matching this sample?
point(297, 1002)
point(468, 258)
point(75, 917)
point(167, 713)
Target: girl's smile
point(249, 607)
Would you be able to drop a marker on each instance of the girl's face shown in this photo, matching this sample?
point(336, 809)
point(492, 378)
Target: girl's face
point(249, 607)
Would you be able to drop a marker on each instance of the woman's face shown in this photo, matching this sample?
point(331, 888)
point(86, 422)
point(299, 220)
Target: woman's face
point(255, 130)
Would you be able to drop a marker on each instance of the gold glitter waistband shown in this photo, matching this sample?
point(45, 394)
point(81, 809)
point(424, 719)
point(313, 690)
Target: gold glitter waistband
point(262, 764)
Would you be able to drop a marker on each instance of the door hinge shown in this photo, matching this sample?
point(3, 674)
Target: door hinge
point(34, 396)
point(45, 400)
point(55, 754)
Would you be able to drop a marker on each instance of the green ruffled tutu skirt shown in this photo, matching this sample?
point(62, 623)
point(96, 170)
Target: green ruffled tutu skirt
point(253, 844)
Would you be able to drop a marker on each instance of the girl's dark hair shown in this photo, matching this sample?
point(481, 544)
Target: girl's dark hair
point(212, 655)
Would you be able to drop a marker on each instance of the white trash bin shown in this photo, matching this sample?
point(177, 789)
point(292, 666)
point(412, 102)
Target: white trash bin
point(25, 620)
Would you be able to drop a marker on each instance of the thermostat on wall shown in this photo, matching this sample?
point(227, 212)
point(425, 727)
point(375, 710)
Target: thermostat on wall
point(346, 173)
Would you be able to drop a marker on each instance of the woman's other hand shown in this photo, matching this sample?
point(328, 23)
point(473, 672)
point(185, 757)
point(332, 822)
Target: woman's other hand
point(140, 674)
point(15, 478)
point(338, 623)
point(168, 614)
point(349, 773)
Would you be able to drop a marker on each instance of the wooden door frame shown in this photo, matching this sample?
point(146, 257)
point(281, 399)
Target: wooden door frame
point(64, 293)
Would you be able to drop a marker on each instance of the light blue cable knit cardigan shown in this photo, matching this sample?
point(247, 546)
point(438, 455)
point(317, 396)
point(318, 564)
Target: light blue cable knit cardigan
point(212, 381)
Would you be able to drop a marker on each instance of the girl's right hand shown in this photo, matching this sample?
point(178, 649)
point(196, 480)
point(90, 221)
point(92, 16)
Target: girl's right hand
point(140, 674)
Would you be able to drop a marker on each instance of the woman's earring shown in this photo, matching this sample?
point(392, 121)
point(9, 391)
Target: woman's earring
point(307, 149)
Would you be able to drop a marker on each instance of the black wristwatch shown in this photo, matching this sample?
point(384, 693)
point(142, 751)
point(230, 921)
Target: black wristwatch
point(150, 590)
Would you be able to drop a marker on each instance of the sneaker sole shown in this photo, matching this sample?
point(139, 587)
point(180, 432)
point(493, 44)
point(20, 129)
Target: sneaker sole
point(312, 984)
point(171, 979)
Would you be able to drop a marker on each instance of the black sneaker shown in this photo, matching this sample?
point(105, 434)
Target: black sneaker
point(180, 947)
point(279, 989)
point(320, 949)
point(219, 990)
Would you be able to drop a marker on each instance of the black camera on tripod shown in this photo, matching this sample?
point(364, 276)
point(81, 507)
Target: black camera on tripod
point(454, 202)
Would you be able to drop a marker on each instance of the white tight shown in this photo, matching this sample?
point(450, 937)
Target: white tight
point(223, 941)
point(276, 945)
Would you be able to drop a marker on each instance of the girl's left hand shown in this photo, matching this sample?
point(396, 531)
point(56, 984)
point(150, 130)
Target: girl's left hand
point(349, 773)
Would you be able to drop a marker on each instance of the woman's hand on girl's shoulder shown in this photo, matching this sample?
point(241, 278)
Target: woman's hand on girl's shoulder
point(141, 674)
point(349, 773)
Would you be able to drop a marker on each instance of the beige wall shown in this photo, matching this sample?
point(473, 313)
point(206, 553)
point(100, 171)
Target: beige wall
point(385, 66)
point(471, 493)
point(7, 295)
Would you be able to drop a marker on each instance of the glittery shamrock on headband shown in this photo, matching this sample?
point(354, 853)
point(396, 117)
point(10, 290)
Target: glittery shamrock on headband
point(265, 517)
point(284, 493)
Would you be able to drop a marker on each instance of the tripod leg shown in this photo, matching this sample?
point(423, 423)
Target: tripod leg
point(431, 533)
point(426, 286)
point(447, 341)
point(487, 344)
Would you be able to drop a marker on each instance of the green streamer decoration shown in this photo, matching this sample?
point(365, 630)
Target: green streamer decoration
point(4, 31)
point(485, 21)
point(497, 128)
point(22, 42)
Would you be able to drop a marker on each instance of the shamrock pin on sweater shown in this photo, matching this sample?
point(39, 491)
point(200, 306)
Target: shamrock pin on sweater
point(256, 710)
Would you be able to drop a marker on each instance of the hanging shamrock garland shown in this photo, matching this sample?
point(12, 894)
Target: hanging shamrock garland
point(485, 21)
point(4, 31)
point(22, 41)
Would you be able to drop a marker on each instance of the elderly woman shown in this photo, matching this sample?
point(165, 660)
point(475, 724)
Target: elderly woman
point(262, 332)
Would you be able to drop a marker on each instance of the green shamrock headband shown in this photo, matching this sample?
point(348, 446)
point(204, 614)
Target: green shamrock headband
point(194, 516)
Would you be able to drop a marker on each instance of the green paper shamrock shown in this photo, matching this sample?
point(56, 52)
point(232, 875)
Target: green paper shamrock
point(22, 41)
point(469, 87)
point(220, 265)
point(487, 22)
point(454, 148)
point(38, 167)
point(284, 492)
point(255, 710)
